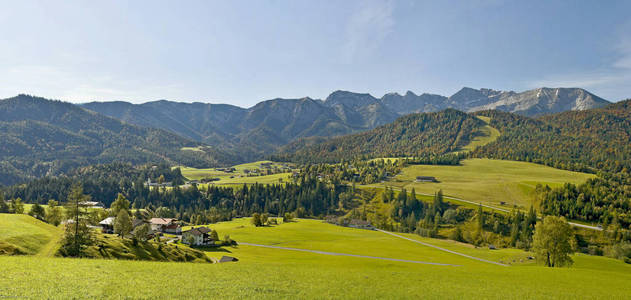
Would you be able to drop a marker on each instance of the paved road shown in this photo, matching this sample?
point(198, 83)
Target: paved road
point(498, 208)
point(345, 254)
point(443, 249)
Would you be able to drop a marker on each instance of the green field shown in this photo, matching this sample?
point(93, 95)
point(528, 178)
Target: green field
point(486, 181)
point(488, 135)
point(238, 176)
point(275, 273)
point(27, 235)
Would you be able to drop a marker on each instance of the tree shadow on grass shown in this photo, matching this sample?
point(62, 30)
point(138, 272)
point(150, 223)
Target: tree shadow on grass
point(213, 249)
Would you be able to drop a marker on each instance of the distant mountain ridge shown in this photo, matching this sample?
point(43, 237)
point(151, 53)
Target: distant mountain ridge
point(530, 103)
point(271, 124)
point(45, 137)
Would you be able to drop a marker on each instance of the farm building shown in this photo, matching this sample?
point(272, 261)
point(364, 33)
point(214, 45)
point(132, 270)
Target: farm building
point(166, 225)
point(92, 204)
point(199, 236)
point(361, 224)
point(426, 179)
point(155, 184)
point(107, 225)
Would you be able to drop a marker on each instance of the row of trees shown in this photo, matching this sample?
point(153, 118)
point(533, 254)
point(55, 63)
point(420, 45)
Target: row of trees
point(605, 200)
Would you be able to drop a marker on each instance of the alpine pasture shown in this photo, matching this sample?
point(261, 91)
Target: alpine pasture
point(266, 273)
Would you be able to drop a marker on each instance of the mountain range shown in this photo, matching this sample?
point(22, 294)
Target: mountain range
point(47, 137)
point(270, 124)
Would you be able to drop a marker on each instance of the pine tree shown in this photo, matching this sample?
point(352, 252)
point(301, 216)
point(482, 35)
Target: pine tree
point(77, 234)
point(53, 213)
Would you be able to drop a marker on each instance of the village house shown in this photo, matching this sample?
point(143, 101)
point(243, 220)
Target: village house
point(199, 236)
point(155, 184)
point(107, 225)
point(92, 204)
point(165, 225)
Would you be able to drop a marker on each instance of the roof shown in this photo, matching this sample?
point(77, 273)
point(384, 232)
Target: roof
point(198, 231)
point(138, 222)
point(108, 221)
point(162, 221)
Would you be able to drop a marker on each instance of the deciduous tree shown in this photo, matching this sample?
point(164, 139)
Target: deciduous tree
point(122, 224)
point(552, 242)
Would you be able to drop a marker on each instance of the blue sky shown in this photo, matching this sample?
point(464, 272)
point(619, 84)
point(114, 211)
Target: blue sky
point(243, 52)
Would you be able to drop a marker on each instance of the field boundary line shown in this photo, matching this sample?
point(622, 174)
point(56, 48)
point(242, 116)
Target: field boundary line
point(351, 255)
point(443, 249)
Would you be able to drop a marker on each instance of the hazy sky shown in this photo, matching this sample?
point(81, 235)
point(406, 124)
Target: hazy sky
point(243, 52)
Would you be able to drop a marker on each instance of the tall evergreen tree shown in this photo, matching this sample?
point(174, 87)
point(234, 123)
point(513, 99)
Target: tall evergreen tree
point(77, 233)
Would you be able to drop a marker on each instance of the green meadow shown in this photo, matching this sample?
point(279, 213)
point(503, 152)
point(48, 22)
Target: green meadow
point(23, 234)
point(486, 181)
point(487, 134)
point(238, 176)
point(265, 273)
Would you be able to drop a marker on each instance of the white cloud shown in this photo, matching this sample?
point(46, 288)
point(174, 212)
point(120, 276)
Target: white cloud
point(367, 28)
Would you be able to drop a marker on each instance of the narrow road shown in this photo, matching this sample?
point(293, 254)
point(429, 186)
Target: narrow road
point(345, 254)
point(498, 208)
point(443, 249)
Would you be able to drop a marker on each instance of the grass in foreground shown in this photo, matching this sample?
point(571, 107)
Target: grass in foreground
point(272, 273)
point(486, 181)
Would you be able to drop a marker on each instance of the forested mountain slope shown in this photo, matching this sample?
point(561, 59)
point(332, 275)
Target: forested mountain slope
point(43, 137)
point(590, 140)
point(255, 131)
point(428, 134)
point(269, 125)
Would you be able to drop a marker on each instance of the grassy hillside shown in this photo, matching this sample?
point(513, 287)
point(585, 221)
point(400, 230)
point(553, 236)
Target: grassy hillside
point(485, 180)
point(113, 247)
point(595, 139)
point(265, 273)
point(321, 236)
point(23, 234)
point(486, 134)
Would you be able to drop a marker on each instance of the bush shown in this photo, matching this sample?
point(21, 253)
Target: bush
point(619, 251)
point(594, 250)
point(424, 232)
point(456, 235)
